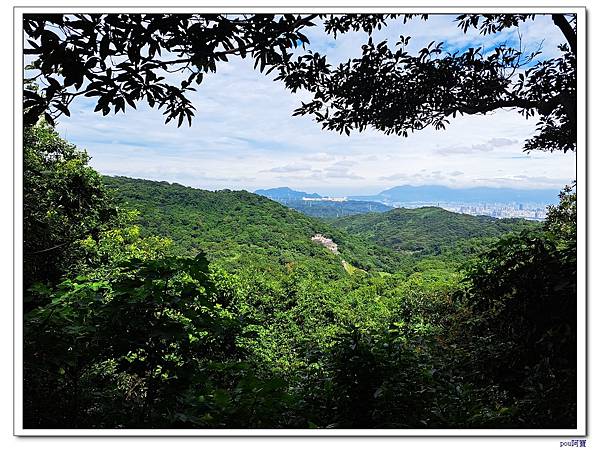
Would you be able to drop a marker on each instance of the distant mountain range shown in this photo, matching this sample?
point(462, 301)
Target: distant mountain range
point(285, 193)
point(443, 194)
point(321, 206)
point(430, 194)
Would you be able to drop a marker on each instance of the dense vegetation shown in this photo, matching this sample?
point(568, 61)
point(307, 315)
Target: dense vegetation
point(64, 201)
point(430, 230)
point(332, 209)
point(215, 309)
point(239, 228)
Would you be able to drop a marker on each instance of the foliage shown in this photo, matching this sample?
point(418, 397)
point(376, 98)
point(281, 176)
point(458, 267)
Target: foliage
point(524, 296)
point(123, 349)
point(429, 230)
point(64, 201)
point(397, 92)
point(562, 219)
point(122, 59)
point(114, 247)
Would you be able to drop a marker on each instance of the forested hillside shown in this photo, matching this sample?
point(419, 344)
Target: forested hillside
point(237, 228)
point(150, 305)
point(334, 209)
point(217, 310)
point(430, 230)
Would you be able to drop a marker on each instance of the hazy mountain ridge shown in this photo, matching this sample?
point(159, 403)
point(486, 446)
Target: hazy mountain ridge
point(434, 193)
point(285, 193)
point(431, 193)
point(320, 206)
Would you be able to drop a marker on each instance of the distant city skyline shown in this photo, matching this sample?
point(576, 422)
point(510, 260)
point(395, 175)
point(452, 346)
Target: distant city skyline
point(494, 202)
point(244, 136)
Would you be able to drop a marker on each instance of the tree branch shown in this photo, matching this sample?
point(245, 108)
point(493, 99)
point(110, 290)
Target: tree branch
point(561, 22)
point(233, 51)
point(509, 103)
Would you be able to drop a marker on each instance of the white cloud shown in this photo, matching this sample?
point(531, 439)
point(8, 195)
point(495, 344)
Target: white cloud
point(396, 177)
point(320, 157)
point(501, 142)
point(244, 137)
point(289, 168)
point(345, 163)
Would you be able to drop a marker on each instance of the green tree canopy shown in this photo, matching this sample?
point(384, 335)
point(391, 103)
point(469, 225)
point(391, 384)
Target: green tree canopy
point(524, 294)
point(64, 201)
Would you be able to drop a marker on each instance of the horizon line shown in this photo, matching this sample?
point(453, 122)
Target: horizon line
point(315, 189)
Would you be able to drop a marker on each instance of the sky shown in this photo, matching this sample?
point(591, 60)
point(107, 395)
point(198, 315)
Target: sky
point(244, 135)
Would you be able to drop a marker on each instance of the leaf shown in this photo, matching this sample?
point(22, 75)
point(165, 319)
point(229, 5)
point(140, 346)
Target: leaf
point(62, 108)
point(49, 119)
point(104, 46)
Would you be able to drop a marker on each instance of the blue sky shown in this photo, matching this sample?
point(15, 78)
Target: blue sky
point(244, 137)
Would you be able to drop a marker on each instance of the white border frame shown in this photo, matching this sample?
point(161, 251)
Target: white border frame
point(581, 157)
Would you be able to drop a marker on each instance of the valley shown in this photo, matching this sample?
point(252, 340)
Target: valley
point(239, 311)
point(237, 228)
point(339, 222)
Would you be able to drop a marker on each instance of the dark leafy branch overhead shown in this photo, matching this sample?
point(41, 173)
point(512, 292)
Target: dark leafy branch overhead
point(122, 59)
point(398, 92)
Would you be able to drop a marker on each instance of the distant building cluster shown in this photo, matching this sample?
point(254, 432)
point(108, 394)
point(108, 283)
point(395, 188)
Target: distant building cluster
point(325, 199)
point(504, 211)
point(498, 210)
point(326, 242)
